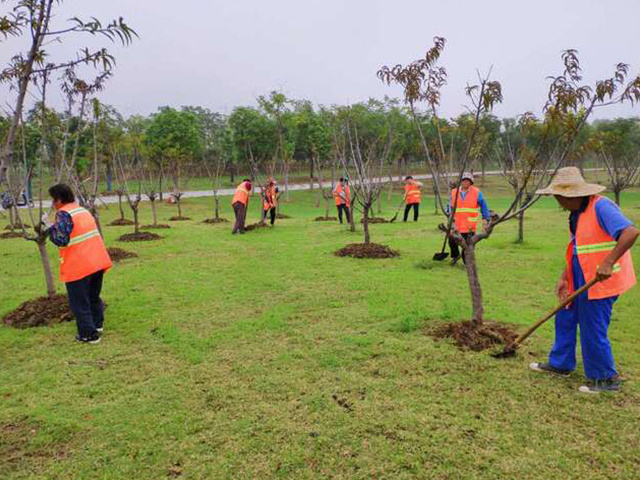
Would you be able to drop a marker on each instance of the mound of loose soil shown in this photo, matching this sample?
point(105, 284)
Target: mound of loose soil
point(282, 216)
point(118, 254)
point(364, 250)
point(16, 227)
point(121, 222)
point(153, 227)
point(10, 235)
point(471, 336)
point(40, 312)
point(325, 219)
point(216, 221)
point(376, 220)
point(255, 226)
point(139, 237)
point(178, 219)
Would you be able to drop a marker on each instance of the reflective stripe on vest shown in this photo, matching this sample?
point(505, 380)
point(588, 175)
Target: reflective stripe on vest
point(595, 247)
point(83, 237)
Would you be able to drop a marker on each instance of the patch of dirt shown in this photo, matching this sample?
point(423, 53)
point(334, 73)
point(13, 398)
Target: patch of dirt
point(121, 222)
point(471, 336)
point(376, 220)
point(17, 227)
point(363, 250)
point(118, 254)
point(255, 226)
point(282, 216)
point(216, 221)
point(179, 219)
point(17, 446)
point(40, 312)
point(154, 227)
point(8, 235)
point(139, 237)
point(325, 219)
point(343, 402)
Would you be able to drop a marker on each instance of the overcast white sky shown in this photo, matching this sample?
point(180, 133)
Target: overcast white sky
point(220, 54)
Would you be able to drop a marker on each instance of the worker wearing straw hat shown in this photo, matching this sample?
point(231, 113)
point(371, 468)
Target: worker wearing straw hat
point(600, 239)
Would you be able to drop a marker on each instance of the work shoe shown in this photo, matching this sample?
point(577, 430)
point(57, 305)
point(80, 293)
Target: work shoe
point(100, 330)
point(598, 386)
point(545, 367)
point(93, 339)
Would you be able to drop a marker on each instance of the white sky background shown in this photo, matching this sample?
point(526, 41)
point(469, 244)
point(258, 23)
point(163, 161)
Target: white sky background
point(224, 53)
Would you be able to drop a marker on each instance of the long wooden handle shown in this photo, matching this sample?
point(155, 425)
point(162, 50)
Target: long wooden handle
point(563, 304)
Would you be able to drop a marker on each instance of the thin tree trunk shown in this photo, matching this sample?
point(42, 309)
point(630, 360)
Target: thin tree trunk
point(474, 283)
point(617, 194)
point(120, 206)
point(12, 220)
point(46, 266)
point(179, 207)
point(352, 219)
point(96, 216)
point(136, 223)
point(520, 227)
point(154, 210)
point(217, 205)
point(365, 225)
point(326, 208)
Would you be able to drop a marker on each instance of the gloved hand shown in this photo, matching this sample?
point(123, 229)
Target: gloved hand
point(45, 221)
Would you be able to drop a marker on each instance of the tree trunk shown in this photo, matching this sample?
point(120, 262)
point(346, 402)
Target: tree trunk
point(12, 220)
point(617, 194)
point(474, 283)
point(352, 219)
point(179, 207)
point(96, 216)
point(160, 186)
point(136, 223)
point(217, 205)
point(46, 266)
point(109, 176)
point(326, 208)
point(365, 225)
point(311, 174)
point(520, 238)
point(120, 206)
point(154, 210)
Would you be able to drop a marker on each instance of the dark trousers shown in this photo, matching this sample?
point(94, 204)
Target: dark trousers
point(407, 209)
point(271, 212)
point(85, 303)
point(240, 211)
point(455, 249)
point(345, 209)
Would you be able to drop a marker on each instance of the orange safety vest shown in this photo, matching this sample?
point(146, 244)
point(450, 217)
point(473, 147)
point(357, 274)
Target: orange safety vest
point(412, 193)
point(593, 244)
point(241, 195)
point(270, 198)
point(467, 210)
point(337, 193)
point(85, 254)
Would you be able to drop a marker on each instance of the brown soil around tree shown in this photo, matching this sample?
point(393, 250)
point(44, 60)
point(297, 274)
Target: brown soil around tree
point(8, 235)
point(40, 312)
point(215, 221)
point(154, 227)
point(376, 220)
point(325, 219)
point(17, 227)
point(364, 250)
point(282, 216)
point(179, 219)
point(139, 237)
point(121, 222)
point(255, 226)
point(471, 336)
point(118, 254)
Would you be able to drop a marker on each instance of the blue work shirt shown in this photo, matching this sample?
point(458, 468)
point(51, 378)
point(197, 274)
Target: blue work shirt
point(481, 203)
point(611, 220)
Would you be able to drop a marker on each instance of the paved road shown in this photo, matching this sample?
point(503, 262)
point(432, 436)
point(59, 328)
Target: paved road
point(293, 187)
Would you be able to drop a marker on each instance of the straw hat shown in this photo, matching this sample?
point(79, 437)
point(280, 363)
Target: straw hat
point(568, 182)
point(467, 176)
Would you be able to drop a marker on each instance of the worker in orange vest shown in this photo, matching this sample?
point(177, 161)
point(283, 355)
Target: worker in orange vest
point(412, 197)
point(470, 206)
point(599, 247)
point(240, 204)
point(83, 261)
point(342, 195)
point(270, 200)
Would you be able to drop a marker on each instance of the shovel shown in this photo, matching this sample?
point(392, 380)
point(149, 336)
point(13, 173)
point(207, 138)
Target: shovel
point(397, 212)
point(510, 349)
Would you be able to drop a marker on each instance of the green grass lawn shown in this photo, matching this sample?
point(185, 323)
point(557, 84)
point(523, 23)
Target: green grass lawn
point(265, 356)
